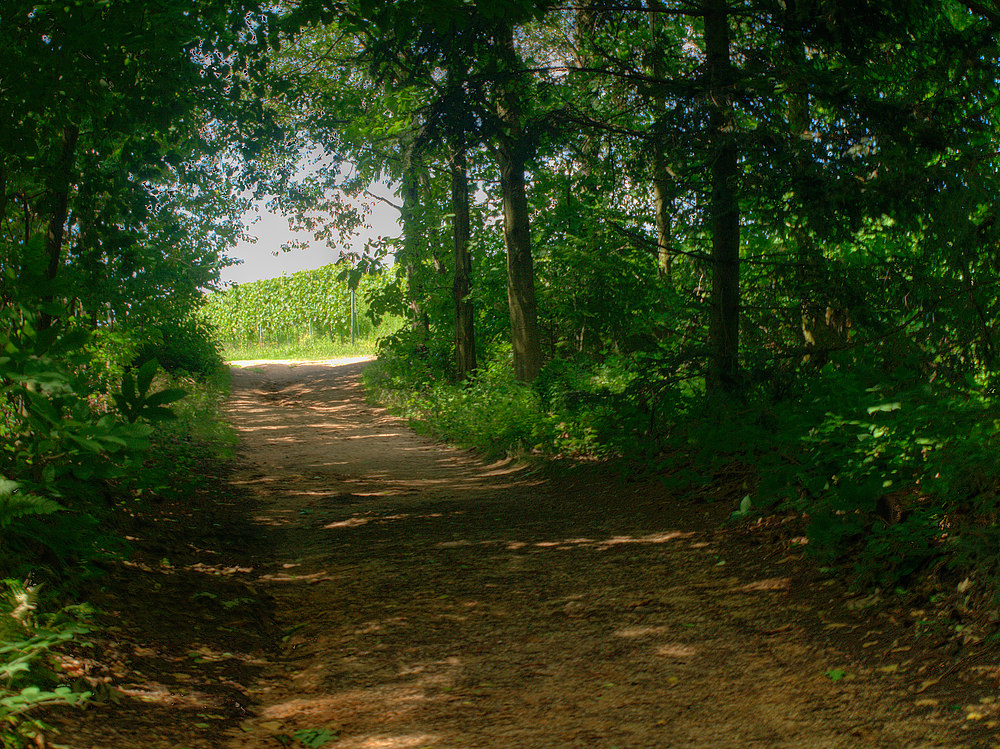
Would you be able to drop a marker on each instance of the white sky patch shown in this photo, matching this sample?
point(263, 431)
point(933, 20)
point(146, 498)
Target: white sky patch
point(265, 259)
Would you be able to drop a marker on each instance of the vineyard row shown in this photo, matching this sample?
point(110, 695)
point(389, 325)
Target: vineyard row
point(312, 302)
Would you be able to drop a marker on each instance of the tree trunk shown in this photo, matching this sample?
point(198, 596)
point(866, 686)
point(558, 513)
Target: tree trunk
point(661, 208)
point(3, 199)
point(433, 239)
point(517, 232)
point(825, 323)
point(59, 212)
point(662, 202)
point(59, 196)
point(410, 193)
point(724, 210)
point(465, 338)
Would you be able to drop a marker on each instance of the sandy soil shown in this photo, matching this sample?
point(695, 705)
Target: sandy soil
point(403, 594)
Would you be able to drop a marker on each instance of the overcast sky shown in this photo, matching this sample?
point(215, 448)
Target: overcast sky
point(271, 230)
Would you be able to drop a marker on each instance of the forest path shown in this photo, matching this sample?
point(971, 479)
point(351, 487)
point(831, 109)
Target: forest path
point(428, 599)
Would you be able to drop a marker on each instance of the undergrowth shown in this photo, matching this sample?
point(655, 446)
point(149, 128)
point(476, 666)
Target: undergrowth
point(91, 432)
point(29, 674)
point(894, 476)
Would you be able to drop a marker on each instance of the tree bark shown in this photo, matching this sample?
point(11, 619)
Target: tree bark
point(410, 193)
point(59, 197)
point(662, 202)
point(58, 213)
point(724, 320)
point(525, 341)
point(661, 209)
point(465, 338)
point(3, 198)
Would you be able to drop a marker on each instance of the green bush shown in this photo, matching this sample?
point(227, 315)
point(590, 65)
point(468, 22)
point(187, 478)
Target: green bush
point(72, 445)
point(894, 477)
point(490, 412)
point(186, 345)
point(78, 444)
point(28, 677)
point(570, 410)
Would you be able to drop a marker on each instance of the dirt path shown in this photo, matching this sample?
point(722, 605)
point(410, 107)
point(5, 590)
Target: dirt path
point(428, 600)
point(354, 586)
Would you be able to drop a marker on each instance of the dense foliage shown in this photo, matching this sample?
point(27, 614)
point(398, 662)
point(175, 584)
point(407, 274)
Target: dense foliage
point(86, 440)
point(124, 137)
point(710, 235)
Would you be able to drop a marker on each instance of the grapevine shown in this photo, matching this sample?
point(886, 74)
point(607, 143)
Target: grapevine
point(310, 303)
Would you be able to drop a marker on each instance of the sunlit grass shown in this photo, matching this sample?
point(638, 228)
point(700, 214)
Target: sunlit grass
point(307, 348)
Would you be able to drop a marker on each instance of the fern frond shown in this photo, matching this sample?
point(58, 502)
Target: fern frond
point(15, 504)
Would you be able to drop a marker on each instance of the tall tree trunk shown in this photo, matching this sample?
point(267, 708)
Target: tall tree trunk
point(724, 320)
point(662, 202)
point(525, 341)
point(59, 200)
point(3, 197)
point(465, 338)
point(432, 239)
point(410, 193)
point(824, 321)
point(59, 211)
point(661, 207)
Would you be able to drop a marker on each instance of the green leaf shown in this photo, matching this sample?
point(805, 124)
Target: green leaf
point(15, 504)
point(43, 407)
point(128, 389)
point(158, 414)
point(163, 397)
point(87, 444)
point(315, 738)
point(145, 375)
point(884, 407)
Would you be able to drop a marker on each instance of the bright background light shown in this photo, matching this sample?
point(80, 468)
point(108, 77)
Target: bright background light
point(265, 258)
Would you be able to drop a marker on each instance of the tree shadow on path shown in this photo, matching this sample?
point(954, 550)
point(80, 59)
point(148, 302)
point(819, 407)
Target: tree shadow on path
point(427, 599)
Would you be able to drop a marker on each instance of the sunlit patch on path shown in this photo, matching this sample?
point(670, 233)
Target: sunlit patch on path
point(301, 362)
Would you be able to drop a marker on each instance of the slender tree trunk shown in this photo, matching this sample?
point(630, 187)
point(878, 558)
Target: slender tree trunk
point(433, 240)
point(59, 195)
point(26, 218)
point(517, 232)
point(724, 320)
point(825, 323)
point(465, 338)
point(59, 212)
point(520, 270)
point(411, 244)
point(662, 202)
point(3, 197)
point(661, 207)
